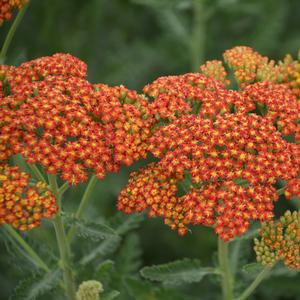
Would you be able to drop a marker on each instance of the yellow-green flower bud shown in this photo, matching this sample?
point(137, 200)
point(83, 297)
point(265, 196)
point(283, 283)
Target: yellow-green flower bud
point(89, 290)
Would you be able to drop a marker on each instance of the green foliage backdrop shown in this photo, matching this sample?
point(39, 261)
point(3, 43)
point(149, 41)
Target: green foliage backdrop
point(132, 43)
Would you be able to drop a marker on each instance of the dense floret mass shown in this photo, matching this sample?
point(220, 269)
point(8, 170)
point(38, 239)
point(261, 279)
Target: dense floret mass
point(233, 163)
point(54, 117)
point(23, 204)
point(193, 93)
point(280, 240)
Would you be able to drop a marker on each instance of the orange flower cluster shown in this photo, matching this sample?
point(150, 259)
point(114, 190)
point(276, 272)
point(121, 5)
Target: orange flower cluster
point(233, 163)
point(193, 93)
point(22, 204)
point(292, 188)
point(277, 104)
point(7, 6)
point(53, 116)
point(280, 240)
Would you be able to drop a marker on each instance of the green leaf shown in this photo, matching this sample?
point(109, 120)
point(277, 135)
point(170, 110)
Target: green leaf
point(177, 272)
point(139, 289)
point(104, 270)
point(129, 257)
point(35, 286)
point(144, 290)
point(17, 254)
point(105, 248)
point(252, 268)
point(110, 295)
point(279, 269)
point(123, 223)
point(94, 231)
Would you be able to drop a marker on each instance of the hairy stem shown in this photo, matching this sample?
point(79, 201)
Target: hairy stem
point(11, 33)
point(227, 280)
point(34, 256)
point(260, 277)
point(63, 245)
point(82, 206)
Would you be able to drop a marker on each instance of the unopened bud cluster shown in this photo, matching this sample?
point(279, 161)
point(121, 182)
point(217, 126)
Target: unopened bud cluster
point(89, 290)
point(250, 66)
point(280, 240)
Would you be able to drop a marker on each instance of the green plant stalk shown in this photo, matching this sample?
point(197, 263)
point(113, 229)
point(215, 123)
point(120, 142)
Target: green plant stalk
point(260, 277)
point(198, 36)
point(37, 260)
point(227, 280)
point(11, 33)
point(63, 245)
point(82, 206)
point(36, 172)
point(234, 258)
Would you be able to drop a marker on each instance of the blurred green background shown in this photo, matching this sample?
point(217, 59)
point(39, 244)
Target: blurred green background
point(132, 43)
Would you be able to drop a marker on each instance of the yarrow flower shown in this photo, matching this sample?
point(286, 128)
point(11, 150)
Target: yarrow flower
point(89, 290)
point(7, 6)
point(53, 116)
point(233, 163)
point(193, 93)
point(277, 104)
point(245, 63)
point(250, 66)
point(280, 240)
point(23, 204)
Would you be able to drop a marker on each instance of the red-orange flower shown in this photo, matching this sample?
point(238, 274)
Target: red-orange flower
point(53, 116)
point(23, 204)
point(193, 93)
point(233, 163)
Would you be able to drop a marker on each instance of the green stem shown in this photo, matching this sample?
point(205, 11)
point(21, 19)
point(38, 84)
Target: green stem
point(11, 33)
point(36, 172)
point(197, 43)
point(260, 277)
point(227, 280)
point(63, 245)
point(37, 260)
point(63, 188)
point(234, 258)
point(82, 206)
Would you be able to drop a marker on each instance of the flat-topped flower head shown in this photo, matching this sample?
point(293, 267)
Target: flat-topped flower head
point(7, 7)
point(54, 117)
point(280, 240)
point(23, 204)
point(232, 164)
